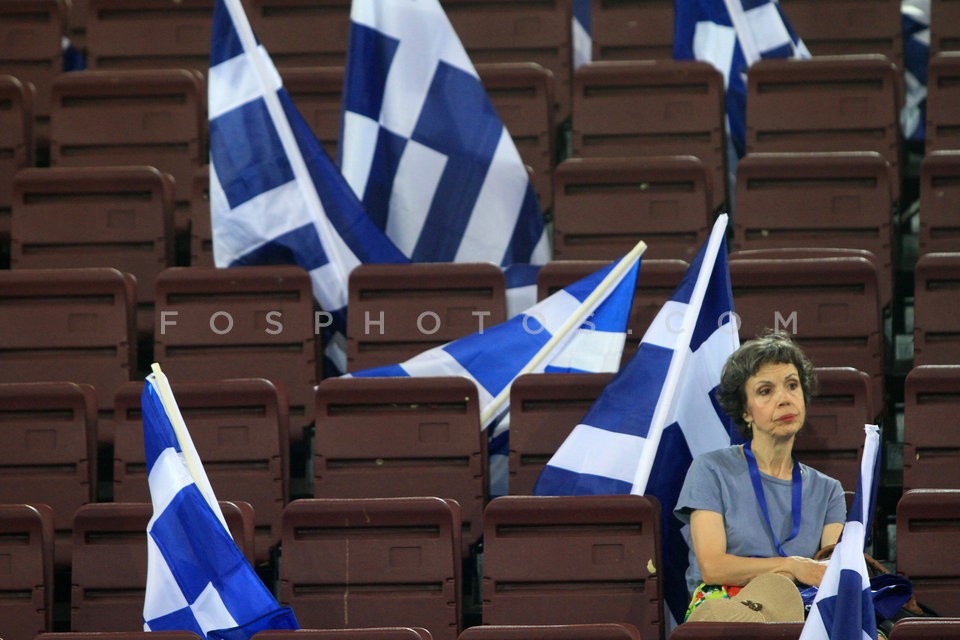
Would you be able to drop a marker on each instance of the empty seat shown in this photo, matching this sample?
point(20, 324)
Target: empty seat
point(142, 34)
point(154, 117)
point(931, 439)
point(240, 429)
point(936, 334)
point(395, 437)
point(632, 30)
point(201, 230)
point(944, 26)
point(597, 631)
point(16, 143)
point(943, 102)
point(573, 560)
point(26, 581)
point(817, 200)
point(242, 322)
point(317, 93)
point(119, 635)
point(926, 629)
point(120, 217)
point(302, 32)
point(928, 524)
point(939, 202)
point(400, 310)
point(367, 633)
point(825, 103)
point(603, 206)
point(373, 562)
point(737, 631)
point(652, 108)
point(544, 409)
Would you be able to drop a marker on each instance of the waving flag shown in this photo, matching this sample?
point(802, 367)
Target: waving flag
point(843, 608)
point(731, 35)
point(581, 25)
point(423, 147)
point(275, 195)
point(915, 17)
point(658, 412)
point(197, 578)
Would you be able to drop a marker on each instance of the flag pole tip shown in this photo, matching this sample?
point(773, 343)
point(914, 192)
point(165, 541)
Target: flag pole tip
point(155, 367)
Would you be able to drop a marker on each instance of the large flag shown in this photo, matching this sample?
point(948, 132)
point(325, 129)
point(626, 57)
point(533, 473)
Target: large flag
point(659, 412)
point(843, 608)
point(276, 197)
point(197, 578)
point(581, 26)
point(731, 35)
point(581, 328)
point(915, 18)
point(424, 148)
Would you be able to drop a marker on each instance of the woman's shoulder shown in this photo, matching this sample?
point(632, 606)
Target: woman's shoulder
point(817, 476)
point(722, 457)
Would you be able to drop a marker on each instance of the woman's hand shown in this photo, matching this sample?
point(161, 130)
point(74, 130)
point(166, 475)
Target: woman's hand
point(806, 570)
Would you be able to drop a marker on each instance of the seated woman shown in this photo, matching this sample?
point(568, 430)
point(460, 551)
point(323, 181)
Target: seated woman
point(752, 509)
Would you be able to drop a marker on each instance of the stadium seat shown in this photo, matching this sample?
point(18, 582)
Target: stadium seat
point(943, 101)
point(926, 629)
point(153, 117)
point(242, 322)
point(400, 310)
point(141, 34)
point(544, 409)
point(16, 144)
point(652, 108)
point(931, 439)
point(240, 429)
point(737, 631)
point(26, 583)
point(603, 206)
point(940, 202)
point(632, 30)
point(826, 103)
point(597, 631)
point(302, 32)
point(843, 27)
point(201, 231)
point(119, 635)
point(368, 633)
point(573, 560)
point(936, 335)
point(370, 562)
point(120, 217)
point(818, 200)
point(928, 525)
point(317, 93)
point(944, 24)
point(395, 437)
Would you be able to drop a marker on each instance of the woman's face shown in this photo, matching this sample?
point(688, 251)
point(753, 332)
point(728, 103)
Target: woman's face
point(775, 404)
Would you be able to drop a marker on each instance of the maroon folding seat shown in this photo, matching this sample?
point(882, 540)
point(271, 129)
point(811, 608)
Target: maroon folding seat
point(943, 100)
point(926, 629)
point(931, 439)
point(737, 631)
point(302, 32)
point(16, 143)
point(596, 631)
point(631, 30)
point(928, 523)
point(940, 202)
point(317, 92)
point(944, 34)
point(936, 290)
point(26, 582)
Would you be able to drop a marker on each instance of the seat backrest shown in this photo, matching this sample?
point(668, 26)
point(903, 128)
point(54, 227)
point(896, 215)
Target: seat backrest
point(119, 635)
point(945, 27)
point(241, 432)
point(201, 228)
point(943, 101)
point(936, 336)
point(544, 409)
point(632, 30)
point(926, 629)
point(817, 200)
point(119, 217)
point(371, 562)
point(140, 34)
point(243, 322)
point(928, 526)
point(395, 437)
point(737, 631)
point(368, 633)
point(596, 631)
point(153, 117)
point(16, 142)
point(652, 108)
point(317, 92)
point(26, 583)
point(940, 202)
point(400, 310)
point(603, 206)
point(302, 32)
point(931, 438)
point(573, 560)
point(50, 446)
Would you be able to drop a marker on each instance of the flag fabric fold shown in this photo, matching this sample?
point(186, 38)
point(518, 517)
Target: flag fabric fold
point(843, 608)
point(423, 147)
point(197, 578)
point(731, 35)
point(276, 197)
point(915, 18)
point(659, 411)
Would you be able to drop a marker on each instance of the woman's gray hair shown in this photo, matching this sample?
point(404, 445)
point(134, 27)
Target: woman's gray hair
point(773, 347)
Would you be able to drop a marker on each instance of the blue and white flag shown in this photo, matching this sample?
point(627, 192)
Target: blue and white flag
point(843, 608)
point(276, 197)
point(731, 35)
point(659, 411)
point(197, 578)
point(423, 147)
point(915, 17)
point(581, 28)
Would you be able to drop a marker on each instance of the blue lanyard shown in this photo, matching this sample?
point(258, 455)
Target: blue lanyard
point(795, 502)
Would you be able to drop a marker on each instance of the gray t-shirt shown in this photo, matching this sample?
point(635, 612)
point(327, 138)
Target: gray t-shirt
point(719, 481)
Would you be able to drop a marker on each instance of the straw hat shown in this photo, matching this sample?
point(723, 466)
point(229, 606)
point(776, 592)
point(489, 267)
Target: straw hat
point(770, 597)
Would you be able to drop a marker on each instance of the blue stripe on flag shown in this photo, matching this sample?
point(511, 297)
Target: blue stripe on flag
point(300, 246)
point(529, 225)
point(383, 173)
point(848, 617)
point(363, 92)
point(224, 42)
point(388, 371)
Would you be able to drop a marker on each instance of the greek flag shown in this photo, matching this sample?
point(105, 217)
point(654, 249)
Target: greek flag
point(659, 411)
point(843, 608)
point(423, 147)
point(275, 195)
point(197, 578)
point(915, 16)
point(581, 26)
point(731, 35)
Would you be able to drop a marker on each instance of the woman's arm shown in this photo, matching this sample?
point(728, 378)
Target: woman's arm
point(719, 567)
point(831, 533)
